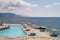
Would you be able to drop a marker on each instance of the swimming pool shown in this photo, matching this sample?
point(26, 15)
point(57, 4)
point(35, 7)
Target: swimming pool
point(13, 32)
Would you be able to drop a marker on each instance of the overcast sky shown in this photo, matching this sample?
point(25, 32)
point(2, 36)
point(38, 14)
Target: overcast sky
point(31, 8)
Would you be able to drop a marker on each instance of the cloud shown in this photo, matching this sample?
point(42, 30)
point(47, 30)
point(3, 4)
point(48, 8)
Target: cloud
point(54, 4)
point(17, 6)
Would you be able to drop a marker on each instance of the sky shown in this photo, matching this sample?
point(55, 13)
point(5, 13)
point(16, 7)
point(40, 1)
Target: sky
point(31, 8)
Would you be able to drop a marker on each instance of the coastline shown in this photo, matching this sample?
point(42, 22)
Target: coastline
point(41, 37)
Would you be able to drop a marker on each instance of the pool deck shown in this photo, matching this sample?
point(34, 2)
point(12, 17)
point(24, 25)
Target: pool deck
point(39, 36)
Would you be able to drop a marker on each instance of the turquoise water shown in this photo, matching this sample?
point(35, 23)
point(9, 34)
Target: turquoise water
point(13, 32)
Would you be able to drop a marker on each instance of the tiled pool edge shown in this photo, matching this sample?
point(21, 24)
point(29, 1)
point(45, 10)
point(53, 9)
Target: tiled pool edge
point(18, 36)
point(23, 29)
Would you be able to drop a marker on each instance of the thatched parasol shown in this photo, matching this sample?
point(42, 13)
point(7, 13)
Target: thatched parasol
point(54, 33)
point(34, 26)
point(28, 23)
point(54, 30)
point(43, 27)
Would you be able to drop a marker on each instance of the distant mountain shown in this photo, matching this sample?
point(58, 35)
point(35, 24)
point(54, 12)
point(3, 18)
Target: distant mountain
point(10, 15)
point(11, 18)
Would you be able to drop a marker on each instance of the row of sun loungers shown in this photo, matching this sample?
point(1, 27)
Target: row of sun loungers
point(42, 29)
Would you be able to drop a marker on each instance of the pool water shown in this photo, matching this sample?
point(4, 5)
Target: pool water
point(13, 32)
